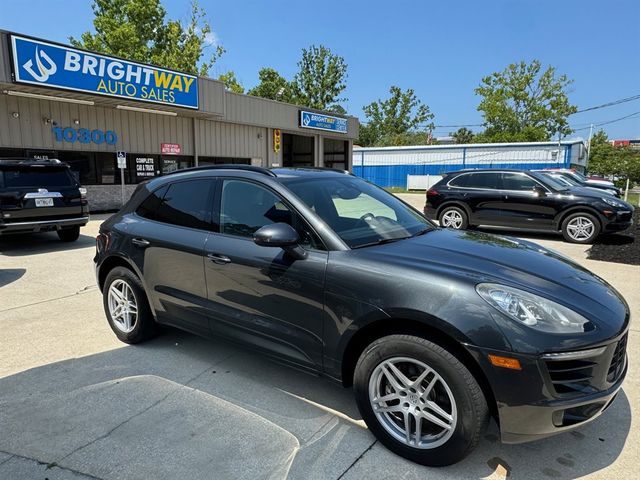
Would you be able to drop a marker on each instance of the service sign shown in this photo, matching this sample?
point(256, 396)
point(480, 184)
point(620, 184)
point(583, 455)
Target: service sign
point(320, 121)
point(41, 63)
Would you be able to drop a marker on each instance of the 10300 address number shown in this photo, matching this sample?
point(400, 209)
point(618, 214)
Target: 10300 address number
point(84, 135)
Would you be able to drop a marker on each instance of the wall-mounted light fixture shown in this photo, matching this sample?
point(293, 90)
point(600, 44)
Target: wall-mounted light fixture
point(146, 110)
point(259, 135)
point(15, 93)
point(46, 120)
point(15, 114)
point(76, 121)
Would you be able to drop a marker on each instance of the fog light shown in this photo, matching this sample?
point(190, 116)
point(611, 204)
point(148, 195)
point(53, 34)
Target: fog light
point(505, 362)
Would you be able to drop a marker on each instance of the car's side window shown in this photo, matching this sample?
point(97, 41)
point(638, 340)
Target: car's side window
point(518, 182)
point(186, 204)
point(460, 180)
point(488, 180)
point(245, 207)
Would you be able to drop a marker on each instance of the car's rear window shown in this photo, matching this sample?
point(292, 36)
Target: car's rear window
point(40, 177)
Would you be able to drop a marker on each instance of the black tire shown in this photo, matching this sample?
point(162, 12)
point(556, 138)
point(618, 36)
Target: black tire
point(470, 404)
point(145, 326)
point(70, 234)
point(570, 235)
point(458, 213)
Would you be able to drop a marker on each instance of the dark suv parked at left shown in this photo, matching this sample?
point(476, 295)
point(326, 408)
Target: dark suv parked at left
point(39, 196)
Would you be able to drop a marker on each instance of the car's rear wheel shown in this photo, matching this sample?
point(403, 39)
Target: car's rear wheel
point(453, 217)
point(69, 234)
point(419, 400)
point(126, 306)
point(580, 228)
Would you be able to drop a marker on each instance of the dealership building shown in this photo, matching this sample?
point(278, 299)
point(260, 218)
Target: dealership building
point(97, 113)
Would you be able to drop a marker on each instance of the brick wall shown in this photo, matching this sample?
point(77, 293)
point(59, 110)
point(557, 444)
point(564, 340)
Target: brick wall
point(107, 197)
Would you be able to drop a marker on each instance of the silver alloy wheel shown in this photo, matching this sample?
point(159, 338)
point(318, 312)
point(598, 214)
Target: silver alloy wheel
point(580, 228)
point(122, 306)
point(412, 402)
point(452, 219)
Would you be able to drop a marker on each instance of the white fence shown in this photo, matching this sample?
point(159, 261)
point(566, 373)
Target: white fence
point(422, 182)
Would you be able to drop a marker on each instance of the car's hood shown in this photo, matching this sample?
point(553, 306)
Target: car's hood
point(481, 257)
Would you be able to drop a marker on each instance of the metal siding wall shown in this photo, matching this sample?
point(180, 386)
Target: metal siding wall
point(219, 139)
point(137, 132)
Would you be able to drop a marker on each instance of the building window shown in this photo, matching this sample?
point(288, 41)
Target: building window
point(175, 162)
point(106, 167)
point(335, 153)
point(83, 166)
point(142, 166)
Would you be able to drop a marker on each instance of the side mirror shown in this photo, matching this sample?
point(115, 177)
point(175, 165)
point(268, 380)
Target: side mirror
point(539, 191)
point(280, 235)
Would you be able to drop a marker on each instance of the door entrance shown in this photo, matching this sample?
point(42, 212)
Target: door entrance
point(297, 151)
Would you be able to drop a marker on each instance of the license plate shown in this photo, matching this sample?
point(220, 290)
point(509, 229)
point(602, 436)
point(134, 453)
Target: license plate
point(44, 202)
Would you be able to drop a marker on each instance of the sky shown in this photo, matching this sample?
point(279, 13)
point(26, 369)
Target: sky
point(440, 49)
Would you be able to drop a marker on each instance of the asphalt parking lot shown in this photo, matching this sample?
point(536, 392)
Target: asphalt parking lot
point(75, 403)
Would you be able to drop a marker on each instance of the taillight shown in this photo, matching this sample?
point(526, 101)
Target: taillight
point(432, 193)
point(83, 193)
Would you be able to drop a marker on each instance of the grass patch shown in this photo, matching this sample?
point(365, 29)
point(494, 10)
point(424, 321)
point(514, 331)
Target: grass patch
point(633, 198)
point(402, 190)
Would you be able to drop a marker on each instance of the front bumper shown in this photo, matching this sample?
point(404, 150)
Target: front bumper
point(620, 220)
point(548, 397)
point(35, 226)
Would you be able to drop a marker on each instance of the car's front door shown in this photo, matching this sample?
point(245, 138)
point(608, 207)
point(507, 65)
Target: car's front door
point(167, 243)
point(261, 295)
point(526, 202)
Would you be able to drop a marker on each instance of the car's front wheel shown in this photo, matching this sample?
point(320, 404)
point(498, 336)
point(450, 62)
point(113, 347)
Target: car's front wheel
point(126, 306)
point(419, 400)
point(580, 228)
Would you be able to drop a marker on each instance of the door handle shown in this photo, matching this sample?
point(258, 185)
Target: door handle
point(140, 242)
point(219, 259)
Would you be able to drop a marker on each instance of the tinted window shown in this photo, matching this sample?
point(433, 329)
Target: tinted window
point(245, 207)
point(187, 204)
point(517, 181)
point(41, 177)
point(482, 180)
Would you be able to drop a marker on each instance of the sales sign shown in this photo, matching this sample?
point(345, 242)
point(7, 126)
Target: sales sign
point(40, 63)
point(320, 121)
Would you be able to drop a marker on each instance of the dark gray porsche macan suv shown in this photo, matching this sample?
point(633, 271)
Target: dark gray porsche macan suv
point(436, 329)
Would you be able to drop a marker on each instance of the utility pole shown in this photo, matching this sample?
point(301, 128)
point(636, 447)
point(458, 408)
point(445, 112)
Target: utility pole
point(589, 144)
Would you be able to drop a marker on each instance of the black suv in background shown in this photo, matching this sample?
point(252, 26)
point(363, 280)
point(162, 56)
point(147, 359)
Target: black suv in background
point(436, 329)
point(525, 199)
point(39, 196)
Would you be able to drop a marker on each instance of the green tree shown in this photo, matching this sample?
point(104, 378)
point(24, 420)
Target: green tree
point(525, 103)
point(463, 135)
point(321, 78)
point(231, 83)
point(402, 119)
point(138, 30)
point(610, 161)
point(273, 86)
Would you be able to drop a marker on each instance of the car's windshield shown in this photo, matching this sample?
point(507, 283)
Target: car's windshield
point(566, 180)
point(580, 176)
point(40, 177)
point(551, 182)
point(359, 212)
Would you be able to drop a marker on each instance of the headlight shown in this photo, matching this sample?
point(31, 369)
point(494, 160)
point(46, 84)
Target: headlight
point(533, 311)
point(613, 202)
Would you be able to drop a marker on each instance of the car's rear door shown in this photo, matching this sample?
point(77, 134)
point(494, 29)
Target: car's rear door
point(166, 240)
point(481, 192)
point(260, 295)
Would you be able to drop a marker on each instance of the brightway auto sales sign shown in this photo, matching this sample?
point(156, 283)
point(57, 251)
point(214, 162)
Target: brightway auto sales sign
point(48, 65)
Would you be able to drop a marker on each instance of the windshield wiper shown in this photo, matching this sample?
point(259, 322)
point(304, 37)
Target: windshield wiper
point(382, 241)
point(422, 232)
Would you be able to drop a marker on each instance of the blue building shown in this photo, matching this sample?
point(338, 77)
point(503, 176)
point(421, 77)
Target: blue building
point(419, 167)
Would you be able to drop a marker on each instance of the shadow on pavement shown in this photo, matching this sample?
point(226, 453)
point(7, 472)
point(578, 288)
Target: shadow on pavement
point(184, 407)
point(10, 275)
point(35, 243)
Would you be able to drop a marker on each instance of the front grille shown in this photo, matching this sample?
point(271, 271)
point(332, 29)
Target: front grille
point(618, 361)
point(624, 217)
point(570, 376)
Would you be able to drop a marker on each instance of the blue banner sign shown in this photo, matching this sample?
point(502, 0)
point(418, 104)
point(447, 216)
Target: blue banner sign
point(320, 121)
point(44, 64)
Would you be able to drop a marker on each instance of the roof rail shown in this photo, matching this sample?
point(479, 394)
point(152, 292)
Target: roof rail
point(230, 166)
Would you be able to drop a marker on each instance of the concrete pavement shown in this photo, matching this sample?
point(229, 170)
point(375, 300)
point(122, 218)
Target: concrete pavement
point(75, 403)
